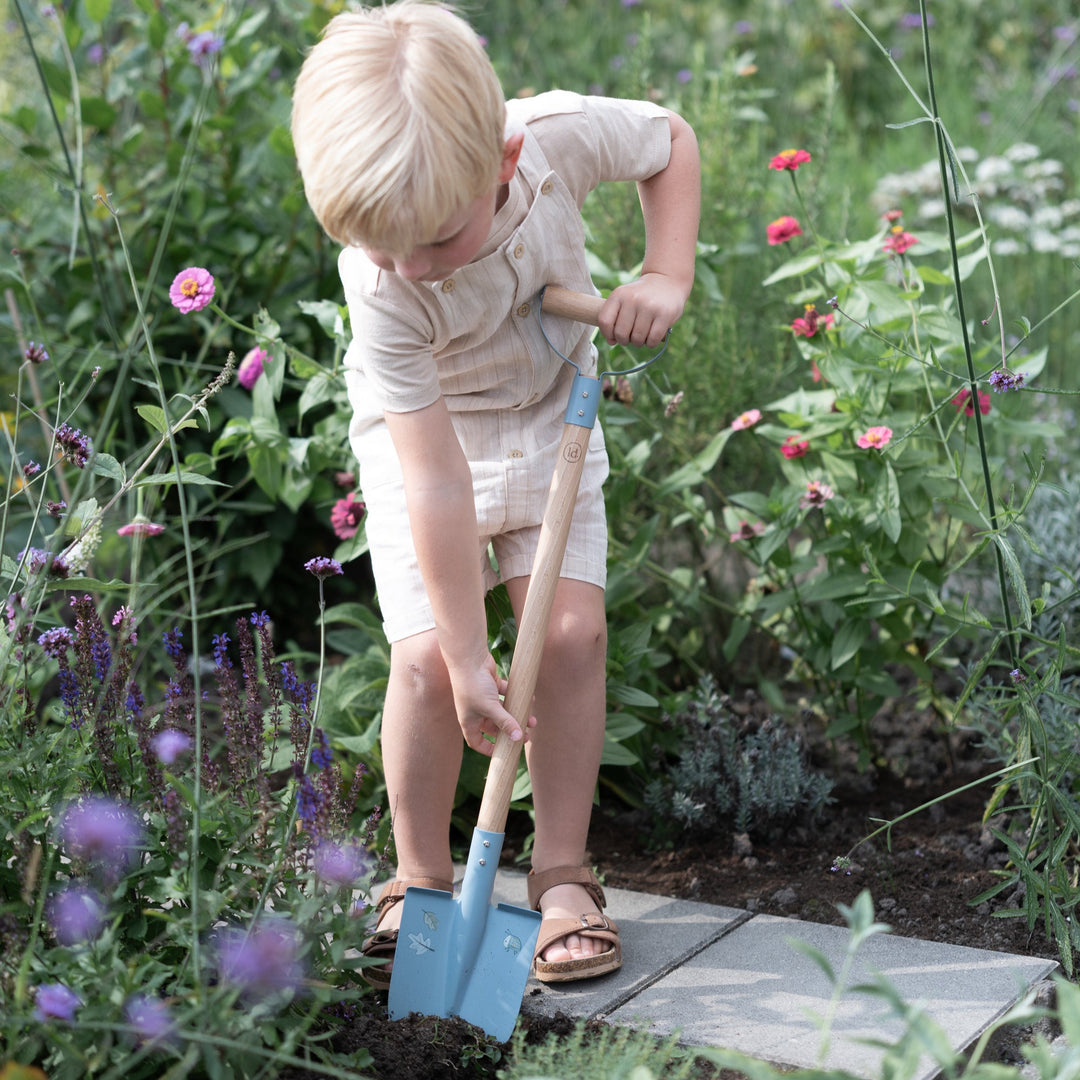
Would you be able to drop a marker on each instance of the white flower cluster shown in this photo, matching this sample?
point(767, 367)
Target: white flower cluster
point(1019, 192)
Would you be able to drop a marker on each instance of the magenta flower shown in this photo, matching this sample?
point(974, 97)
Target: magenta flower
point(263, 962)
point(792, 448)
point(963, 401)
point(747, 531)
point(251, 367)
point(100, 831)
point(809, 324)
point(339, 865)
point(192, 289)
point(140, 526)
point(898, 241)
point(783, 229)
point(875, 438)
point(75, 914)
point(346, 516)
point(789, 159)
point(746, 419)
point(817, 494)
point(169, 744)
point(55, 1001)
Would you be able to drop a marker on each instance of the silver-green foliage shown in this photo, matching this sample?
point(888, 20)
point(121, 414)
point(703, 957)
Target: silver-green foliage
point(728, 769)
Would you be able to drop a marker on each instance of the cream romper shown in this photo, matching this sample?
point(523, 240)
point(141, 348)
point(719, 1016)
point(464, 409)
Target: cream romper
point(475, 339)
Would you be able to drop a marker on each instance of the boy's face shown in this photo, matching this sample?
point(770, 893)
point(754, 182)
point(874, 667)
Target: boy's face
point(455, 244)
point(460, 238)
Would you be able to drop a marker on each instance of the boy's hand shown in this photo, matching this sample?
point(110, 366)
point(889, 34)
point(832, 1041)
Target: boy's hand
point(642, 312)
point(478, 701)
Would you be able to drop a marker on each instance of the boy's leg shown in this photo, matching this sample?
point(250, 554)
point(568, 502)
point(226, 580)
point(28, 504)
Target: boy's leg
point(421, 748)
point(564, 749)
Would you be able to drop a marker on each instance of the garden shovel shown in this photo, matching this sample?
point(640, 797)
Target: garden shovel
point(463, 957)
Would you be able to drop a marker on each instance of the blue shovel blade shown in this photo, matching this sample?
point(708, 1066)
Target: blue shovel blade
point(464, 957)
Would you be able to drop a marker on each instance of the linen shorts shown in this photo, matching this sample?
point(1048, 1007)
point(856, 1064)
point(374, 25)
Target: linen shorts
point(512, 454)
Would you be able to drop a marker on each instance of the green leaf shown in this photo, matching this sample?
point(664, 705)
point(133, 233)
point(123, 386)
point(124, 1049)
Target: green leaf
point(847, 641)
point(97, 112)
point(98, 10)
point(155, 417)
point(793, 268)
point(186, 477)
point(887, 500)
point(107, 465)
point(1015, 576)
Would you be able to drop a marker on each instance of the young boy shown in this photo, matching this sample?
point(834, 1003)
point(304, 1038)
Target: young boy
point(455, 208)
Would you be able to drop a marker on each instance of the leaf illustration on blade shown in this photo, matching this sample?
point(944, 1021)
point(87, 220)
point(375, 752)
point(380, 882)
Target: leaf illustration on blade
point(419, 944)
point(431, 920)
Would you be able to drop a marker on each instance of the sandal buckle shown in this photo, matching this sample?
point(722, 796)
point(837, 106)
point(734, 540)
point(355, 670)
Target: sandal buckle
point(594, 920)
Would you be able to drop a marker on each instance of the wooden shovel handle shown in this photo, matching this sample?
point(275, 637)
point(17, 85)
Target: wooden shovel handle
point(582, 307)
point(547, 566)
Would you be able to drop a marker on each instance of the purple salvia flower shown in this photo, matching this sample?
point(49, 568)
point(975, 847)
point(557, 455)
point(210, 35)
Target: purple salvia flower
point(55, 1001)
point(322, 756)
point(76, 914)
point(173, 645)
point(231, 706)
point(175, 826)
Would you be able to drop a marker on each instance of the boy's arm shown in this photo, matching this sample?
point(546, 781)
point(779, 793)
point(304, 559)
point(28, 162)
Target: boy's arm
point(642, 312)
point(442, 517)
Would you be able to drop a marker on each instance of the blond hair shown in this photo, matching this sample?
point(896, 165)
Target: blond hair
point(398, 123)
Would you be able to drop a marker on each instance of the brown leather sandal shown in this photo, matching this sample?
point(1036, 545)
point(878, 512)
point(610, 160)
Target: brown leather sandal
point(383, 943)
point(592, 924)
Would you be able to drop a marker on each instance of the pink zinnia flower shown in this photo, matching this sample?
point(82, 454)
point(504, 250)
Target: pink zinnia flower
point(789, 159)
point(346, 516)
point(792, 448)
point(898, 241)
point(251, 367)
point(875, 438)
point(892, 216)
point(192, 289)
point(746, 419)
point(808, 324)
point(747, 531)
point(963, 401)
point(817, 494)
point(140, 526)
point(783, 229)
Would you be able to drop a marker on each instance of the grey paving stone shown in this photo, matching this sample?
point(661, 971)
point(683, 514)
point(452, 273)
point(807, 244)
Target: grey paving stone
point(658, 934)
point(752, 991)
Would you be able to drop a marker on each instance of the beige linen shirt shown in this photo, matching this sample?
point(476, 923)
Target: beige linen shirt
point(475, 338)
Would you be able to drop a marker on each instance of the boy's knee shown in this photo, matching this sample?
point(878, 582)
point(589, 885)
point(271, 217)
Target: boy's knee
point(576, 636)
point(418, 666)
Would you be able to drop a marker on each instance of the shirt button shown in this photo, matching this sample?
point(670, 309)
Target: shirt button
point(524, 310)
point(546, 187)
point(519, 251)
point(448, 285)
point(516, 454)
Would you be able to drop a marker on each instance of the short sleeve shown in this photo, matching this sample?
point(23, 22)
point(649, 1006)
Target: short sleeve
point(393, 347)
point(594, 140)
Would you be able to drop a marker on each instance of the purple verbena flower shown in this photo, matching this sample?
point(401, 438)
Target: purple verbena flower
point(1002, 380)
point(31, 468)
point(75, 914)
point(55, 509)
point(203, 45)
point(36, 353)
point(55, 1001)
point(56, 642)
point(323, 567)
point(73, 444)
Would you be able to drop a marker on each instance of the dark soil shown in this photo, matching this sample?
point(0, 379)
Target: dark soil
point(923, 877)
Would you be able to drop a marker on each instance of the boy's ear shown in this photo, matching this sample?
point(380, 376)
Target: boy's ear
point(511, 153)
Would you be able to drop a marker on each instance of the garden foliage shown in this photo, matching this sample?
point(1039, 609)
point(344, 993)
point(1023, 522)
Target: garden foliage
point(831, 485)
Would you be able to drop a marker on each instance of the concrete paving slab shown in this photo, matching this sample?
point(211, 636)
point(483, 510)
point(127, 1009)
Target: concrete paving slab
point(752, 991)
point(658, 935)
